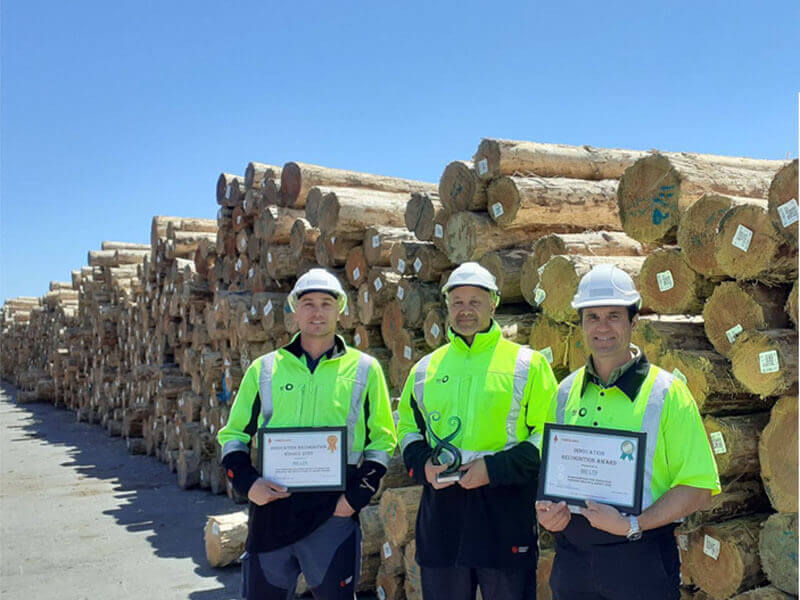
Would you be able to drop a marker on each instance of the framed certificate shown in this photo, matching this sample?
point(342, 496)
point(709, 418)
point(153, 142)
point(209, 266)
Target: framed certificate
point(304, 459)
point(590, 463)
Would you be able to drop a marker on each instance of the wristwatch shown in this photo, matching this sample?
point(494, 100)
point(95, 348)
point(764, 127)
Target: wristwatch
point(634, 533)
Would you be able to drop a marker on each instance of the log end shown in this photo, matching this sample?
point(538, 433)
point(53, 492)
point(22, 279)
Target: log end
point(457, 186)
point(291, 182)
point(782, 199)
point(648, 196)
point(487, 160)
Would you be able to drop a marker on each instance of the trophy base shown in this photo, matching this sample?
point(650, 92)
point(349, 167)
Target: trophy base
point(447, 478)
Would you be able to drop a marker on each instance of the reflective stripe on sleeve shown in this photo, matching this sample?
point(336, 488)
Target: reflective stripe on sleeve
point(410, 438)
point(265, 387)
point(521, 370)
point(419, 382)
point(651, 423)
point(234, 446)
point(356, 401)
point(378, 456)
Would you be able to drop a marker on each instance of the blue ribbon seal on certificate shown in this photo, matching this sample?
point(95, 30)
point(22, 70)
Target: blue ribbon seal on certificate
point(627, 448)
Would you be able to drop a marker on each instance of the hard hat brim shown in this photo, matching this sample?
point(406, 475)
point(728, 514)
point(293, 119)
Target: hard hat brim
point(606, 302)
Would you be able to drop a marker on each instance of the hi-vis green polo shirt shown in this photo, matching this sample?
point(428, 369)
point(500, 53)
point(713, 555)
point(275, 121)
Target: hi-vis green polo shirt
point(645, 398)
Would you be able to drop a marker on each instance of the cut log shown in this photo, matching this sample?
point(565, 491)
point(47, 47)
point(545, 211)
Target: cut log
point(765, 362)
point(599, 243)
point(349, 210)
point(735, 307)
point(225, 537)
point(379, 242)
point(722, 558)
point(460, 188)
point(256, 173)
point(656, 335)
point(558, 281)
point(372, 535)
point(734, 441)
point(356, 267)
point(777, 548)
point(303, 239)
point(403, 254)
point(229, 189)
point(782, 198)
point(468, 236)
point(749, 247)
point(399, 513)
point(413, 581)
point(556, 202)
point(429, 263)
point(551, 339)
point(408, 348)
point(738, 498)
point(392, 321)
point(509, 157)
point(278, 223)
point(416, 300)
point(332, 251)
point(697, 231)
point(657, 190)
point(392, 559)
point(668, 286)
point(506, 266)
point(515, 327)
point(422, 213)
point(544, 568)
point(777, 452)
point(389, 586)
point(298, 178)
point(791, 305)
point(365, 338)
point(435, 327)
point(279, 261)
point(708, 377)
point(768, 592)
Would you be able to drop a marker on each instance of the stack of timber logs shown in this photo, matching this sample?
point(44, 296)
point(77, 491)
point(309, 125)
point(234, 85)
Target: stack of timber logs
point(152, 340)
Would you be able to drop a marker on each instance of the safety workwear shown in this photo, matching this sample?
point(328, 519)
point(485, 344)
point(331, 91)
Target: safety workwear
point(606, 285)
point(317, 280)
point(471, 273)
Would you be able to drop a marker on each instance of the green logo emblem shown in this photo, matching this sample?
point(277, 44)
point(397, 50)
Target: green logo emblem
point(627, 450)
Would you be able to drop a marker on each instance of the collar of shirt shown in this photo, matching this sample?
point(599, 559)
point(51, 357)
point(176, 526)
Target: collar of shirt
point(482, 340)
point(338, 349)
point(628, 378)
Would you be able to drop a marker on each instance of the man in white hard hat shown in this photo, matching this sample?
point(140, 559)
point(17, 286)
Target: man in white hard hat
point(600, 552)
point(314, 381)
point(471, 413)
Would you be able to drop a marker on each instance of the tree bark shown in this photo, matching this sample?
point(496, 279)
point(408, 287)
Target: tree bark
point(737, 306)
point(657, 190)
point(739, 497)
point(656, 336)
point(422, 213)
point(509, 157)
point(460, 188)
point(399, 513)
point(556, 202)
point(765, 362)
point(777, 451)
point(350, 210)
point(225, 537)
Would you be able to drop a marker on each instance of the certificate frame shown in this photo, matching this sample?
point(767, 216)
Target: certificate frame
point(624, 434)
point(310, 433)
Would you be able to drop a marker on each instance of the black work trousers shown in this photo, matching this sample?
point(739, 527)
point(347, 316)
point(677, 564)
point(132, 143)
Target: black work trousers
point(647, 569)
point(461, 583)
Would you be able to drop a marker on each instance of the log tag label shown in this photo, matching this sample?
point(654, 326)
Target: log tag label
point(357, 339)
point(401, 265)
point(679, 375)
point(417, 264)
point(333, 240)
point(239, 264)
point(539, 295)
point(711, 547)
point(438, 231)
point(366, 296)
point(239, 219)
point(788, 212)
point(269, 256)
point(718, 442)
point(497, 210)
point(483, 166)
point(253, 310)
point(381, 593)
point(377, 284)
point(376, 241)
point(742, 238)
point(400, 293)
point(665, 281)
point(347, 311)
point(435, 330)
point(683, 542)
point(251, 273)
point(356, 273)
point(387, 550)
point(268, 308)
point(768, 361)
point(733, 332)
point(548, 354)
point(407, 352)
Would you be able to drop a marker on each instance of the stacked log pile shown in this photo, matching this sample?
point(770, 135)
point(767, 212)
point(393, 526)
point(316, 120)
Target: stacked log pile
point(152, 341)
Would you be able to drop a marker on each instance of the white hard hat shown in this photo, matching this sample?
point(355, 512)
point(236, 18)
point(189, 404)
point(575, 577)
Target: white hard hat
point(471, 273)
point(317, 280)
point(606, 285)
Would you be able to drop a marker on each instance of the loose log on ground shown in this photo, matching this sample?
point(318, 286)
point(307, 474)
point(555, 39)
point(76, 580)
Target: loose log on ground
point(460, 188)
point(765, 362)
point(554, 202)
point(736, 566)
point(298, 178)
point(734, 441)
point(399, 513)
point(656, 335)
point(668, 286)
point(379, 242)
point(782, 197)
point(599, 243)
point(738, 498)
point(777, 452)
point(737, 306)
point(749, 247)
point(657, 190)
point(422, 213)
point(697, 231)
point(709, 379)
point(509, 157)
point(777, 548)
point(348, 210)
point(558, 281)
point(225, 537)
point(506, 266)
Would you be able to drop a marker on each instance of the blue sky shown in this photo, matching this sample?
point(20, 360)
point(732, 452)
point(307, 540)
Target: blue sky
point(113, 112)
